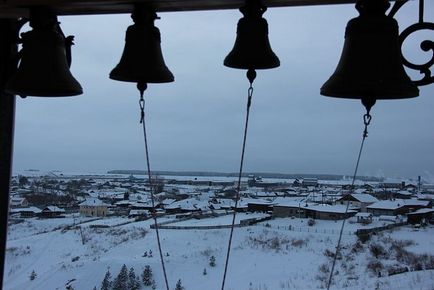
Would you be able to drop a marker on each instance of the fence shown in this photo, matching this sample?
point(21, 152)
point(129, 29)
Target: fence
point(379, 229)
point(195, 227)
point(243, 223)
point(313, 230)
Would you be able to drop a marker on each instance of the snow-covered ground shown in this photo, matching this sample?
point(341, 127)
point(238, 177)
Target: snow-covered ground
point(263, 256)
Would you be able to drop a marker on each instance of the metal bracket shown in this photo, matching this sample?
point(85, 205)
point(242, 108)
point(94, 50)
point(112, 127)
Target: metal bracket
point(425, 45)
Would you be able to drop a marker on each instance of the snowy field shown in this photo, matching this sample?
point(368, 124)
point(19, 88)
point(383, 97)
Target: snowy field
point(221, 220)
point(34, 226)
point(263, 257)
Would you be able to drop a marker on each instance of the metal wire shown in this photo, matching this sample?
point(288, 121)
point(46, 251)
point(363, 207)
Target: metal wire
point(366, 119)
point(142, 88)
point(251, 75)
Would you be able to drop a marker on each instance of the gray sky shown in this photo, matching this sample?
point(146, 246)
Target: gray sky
point(196, 122)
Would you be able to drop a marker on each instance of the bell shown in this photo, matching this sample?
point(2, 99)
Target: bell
point(44, 69)
point(252, 48)
point(142, 60)
point(371, 65)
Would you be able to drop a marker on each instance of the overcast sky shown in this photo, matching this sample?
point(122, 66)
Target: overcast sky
point(196, 123)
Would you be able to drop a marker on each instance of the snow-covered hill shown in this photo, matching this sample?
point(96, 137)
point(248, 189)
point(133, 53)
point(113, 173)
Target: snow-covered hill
point(265, 256)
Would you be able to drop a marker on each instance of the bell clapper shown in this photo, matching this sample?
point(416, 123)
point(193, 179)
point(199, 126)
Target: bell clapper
point(368, 103)
point(142, 87)
point(251, 75)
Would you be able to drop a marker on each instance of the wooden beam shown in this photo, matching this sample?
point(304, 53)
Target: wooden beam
point(19, 8)
point(8, 50)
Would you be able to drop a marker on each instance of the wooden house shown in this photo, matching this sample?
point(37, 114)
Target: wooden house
point(52, 212)
point(93, 207)
point(357, 200)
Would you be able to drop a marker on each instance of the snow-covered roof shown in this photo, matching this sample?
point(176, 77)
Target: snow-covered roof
point(330, 208)
point(397, 203)
point(363, 197)
point(363, 214)
point(359, 191)
point(168, 201)
point(17, 199)
point(391, 218)
point(188, 204)
point(264, 193)
point(123, 202)
point(282, 200)
point(387, 204)
point(416, 202)
point(290, 203)
point(53, 208)
point(93, 202)
point(256, 201)
point(141, 204)
point(425, 196)
point(422, 210)
point(138, 212)
point(26, 209)
point(405, 192)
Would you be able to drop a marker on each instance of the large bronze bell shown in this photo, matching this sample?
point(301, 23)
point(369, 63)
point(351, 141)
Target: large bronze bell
point(252, 48)
point(44, 69)
point(142, 60)
point(370, 66)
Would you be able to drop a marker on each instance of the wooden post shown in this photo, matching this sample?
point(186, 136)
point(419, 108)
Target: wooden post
point(8, 64)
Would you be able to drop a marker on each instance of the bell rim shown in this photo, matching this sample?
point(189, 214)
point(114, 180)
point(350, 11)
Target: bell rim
point(259, 67)
point(143, 80)
point(45, 94)
point(358, 96)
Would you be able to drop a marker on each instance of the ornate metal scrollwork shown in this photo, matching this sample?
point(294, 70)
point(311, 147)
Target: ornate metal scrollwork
point(426, 45)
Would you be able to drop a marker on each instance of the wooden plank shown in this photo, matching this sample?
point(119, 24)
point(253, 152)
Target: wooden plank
point(19, 8)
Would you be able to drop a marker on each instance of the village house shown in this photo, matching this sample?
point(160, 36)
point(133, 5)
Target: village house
point(309, 182)
point(329, 212)
point(386, 207)
point(26, 212)
point(18, 202)
point(259, 205)
point(93, 207)
point(290, 208)
point(423, 215)
point(185, 206)
point(357, 201)
point(52, 212)
point(397, 206)
point(138, 214)
point(364, 217)
point(403, 194)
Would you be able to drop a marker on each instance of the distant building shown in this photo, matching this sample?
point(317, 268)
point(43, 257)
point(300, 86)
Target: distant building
point(93, 207)
point(26, 212)
point(309, 210)
point(309, 182)
point(18, 202)
point(52, 212)
point(386, 207)
point(329, 212)
point(258, 205)
point(397, 206)
point(358, 200)
point(403, 194)
point(421, 215)
point(289, 209)
point(138, 214)
point(364, 217)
